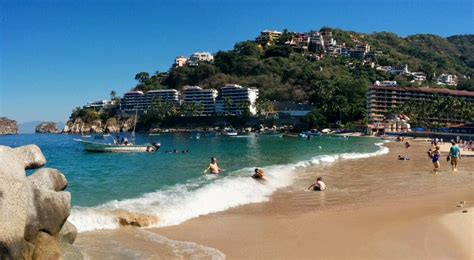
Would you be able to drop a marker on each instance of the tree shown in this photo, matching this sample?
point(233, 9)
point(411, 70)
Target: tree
point(264, 107)
point(142, 77)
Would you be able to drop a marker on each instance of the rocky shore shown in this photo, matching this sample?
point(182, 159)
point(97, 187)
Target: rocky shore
point(47, 128)
point(34, 209)
point(8, 126)
point(112, 125)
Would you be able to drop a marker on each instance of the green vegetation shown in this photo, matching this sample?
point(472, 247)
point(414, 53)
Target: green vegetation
point(427, 114)
point(336, 86)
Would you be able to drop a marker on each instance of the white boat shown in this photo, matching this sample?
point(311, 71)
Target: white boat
point(229, 132)
point(117, 148)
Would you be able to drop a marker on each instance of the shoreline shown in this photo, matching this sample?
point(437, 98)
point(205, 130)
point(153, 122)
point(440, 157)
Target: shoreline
point(288, 226)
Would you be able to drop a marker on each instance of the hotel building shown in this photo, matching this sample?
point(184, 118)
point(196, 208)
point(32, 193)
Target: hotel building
point(199, 96)
point(234, 99)
point(137, 100)
point(380, 99)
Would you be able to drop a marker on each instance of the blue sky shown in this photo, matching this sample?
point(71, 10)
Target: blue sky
point(56, 55)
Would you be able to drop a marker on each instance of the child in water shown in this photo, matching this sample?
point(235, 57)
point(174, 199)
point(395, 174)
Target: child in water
point(259, 175)
point(319, 185)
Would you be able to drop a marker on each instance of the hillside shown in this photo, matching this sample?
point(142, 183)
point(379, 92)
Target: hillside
point(332, 76)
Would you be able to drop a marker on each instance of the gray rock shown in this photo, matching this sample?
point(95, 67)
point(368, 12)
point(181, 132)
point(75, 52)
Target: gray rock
point(31, 156)
point(34, 209)
point(8, 127)
point(48, 178)
point(13, 200)
point(68, 233)
point(46, 247)
point(70, 252)
point(47, 128)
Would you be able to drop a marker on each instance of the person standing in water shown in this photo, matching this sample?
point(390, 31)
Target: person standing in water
point(213, 168)
point(435, 159)
point(319, 185)
point(259, 175)
point(455, 155)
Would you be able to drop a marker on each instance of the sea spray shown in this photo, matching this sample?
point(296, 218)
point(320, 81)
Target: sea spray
point(202, 196)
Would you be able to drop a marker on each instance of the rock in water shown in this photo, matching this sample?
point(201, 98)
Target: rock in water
point(47, 128)
point(8, 126)
point(34, 209)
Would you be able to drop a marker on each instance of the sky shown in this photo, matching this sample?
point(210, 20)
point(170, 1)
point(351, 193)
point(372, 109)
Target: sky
point(56, 55)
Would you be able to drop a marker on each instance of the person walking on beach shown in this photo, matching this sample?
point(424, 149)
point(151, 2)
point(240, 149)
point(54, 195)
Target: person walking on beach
point(434, 155)
point(213, 168)
point(319, 185)
point(455, 156)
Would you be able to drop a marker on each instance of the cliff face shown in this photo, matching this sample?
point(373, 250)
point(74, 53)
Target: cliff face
point(77, 126)
point(34, 208)
point(47, 128)
point(8, 127)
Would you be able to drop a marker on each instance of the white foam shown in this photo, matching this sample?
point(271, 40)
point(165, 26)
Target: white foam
point(203, 196)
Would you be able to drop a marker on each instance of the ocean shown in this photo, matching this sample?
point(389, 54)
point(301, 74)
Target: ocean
point(172, 185)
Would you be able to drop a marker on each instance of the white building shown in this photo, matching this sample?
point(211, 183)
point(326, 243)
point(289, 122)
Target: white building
point(180, 61)
point(418, 76)
point(235, 99)
point(200, 56)
point(137, 101)
point(399, 69)
point(98, 105)
point(386, 83)
point(164, 95)
point(447, 79)
point(132, 101)
point(203, 97)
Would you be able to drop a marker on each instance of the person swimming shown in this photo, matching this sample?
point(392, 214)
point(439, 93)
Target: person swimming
point(259, 175)
point(434, 155)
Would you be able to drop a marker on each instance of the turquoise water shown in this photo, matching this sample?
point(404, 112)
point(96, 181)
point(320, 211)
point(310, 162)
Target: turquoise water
point(162, 183)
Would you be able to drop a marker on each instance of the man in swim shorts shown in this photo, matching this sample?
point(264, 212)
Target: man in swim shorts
point(213, 168)
point(455, 155)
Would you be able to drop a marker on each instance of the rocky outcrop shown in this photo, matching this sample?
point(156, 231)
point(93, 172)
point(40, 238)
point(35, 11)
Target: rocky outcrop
point(77, 126)
point(8, 127)
point(47, 128)
point(33, 209)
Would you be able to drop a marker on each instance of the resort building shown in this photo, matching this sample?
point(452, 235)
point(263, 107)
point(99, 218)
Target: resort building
point(199, 57)
point(380, 99)
point(268, 37)
point(205, 98)
point(180, 61)
point(99, 105)
point(133, 101)
point(164, 95)
point(235, 100)
point(137, 101)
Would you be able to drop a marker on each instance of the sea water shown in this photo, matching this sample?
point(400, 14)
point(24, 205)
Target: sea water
point(171, 185)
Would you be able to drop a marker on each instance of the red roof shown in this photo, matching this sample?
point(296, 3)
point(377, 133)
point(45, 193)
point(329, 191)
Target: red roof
point(428, 90)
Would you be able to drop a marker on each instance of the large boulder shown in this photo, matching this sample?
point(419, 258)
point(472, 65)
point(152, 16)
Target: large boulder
point(48, 178)
point(47, 128)
point(112, 126)
point(31, 156)
point(8, 126)
point(33, 209)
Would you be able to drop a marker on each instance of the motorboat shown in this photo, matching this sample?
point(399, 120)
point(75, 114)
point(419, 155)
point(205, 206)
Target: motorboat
point(118, 148)
point(229, 131)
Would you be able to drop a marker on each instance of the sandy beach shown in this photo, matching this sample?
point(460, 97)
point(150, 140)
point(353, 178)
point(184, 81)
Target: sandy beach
point(374, 208)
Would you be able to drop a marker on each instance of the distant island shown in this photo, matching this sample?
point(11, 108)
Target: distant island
point(321, 78)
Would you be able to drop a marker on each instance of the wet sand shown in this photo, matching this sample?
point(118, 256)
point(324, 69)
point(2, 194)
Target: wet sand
point(374, 208)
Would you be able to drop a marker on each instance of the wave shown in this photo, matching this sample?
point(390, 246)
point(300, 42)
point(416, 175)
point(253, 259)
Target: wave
point(182, 202)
